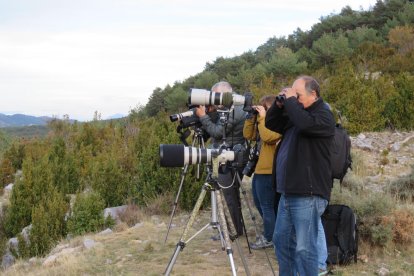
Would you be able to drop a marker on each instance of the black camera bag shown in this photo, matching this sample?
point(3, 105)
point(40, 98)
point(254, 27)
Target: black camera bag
point(341, 232)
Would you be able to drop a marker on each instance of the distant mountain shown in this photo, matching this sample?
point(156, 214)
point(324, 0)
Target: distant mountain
point(116, 116)
point(17, 120)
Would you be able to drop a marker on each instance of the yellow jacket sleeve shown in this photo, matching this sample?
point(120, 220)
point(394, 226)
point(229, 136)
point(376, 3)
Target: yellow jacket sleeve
point(267, 136)
point(249, 129)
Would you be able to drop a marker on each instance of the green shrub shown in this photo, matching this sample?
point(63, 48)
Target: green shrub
point(403, 187)
point(87, 214)
point(380, 234)
point(48, 224)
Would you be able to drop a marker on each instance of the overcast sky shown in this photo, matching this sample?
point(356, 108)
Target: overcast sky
point(79, 56)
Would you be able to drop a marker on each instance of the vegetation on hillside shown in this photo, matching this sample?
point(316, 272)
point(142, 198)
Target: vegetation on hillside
point(362, 59)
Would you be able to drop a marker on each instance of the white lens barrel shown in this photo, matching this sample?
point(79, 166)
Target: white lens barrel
point(238, 99)
point(204, 97)
point(193, 155)
point(185, 114)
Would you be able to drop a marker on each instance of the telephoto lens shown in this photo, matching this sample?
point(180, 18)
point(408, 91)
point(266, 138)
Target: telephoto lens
point(204, 97)
point(178, 155)
point(180, 116)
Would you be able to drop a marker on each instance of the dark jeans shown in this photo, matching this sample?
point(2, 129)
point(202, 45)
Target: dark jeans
point(264, 198)
point(232, 196)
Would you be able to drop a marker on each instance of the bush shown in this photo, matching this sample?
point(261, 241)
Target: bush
point(380, 234)
point(403, 187)
point(48, 224)
point(403, 227)
point(87, 214)
point(132, 215)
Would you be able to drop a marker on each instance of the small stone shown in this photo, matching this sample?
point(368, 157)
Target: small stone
point(7, 260)
point(107, 231)
point(50, 260)
point(108, 261)
point(363, 258)
point(138, 225)
point(88, 243)
point(382, 271)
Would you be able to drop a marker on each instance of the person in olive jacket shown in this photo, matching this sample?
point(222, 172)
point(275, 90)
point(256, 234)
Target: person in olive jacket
point(263, 189)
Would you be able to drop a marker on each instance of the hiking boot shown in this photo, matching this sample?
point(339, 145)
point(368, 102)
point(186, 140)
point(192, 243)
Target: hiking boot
point(261, 243)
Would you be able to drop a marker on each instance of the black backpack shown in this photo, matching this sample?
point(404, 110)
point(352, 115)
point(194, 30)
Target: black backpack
point(340, 153)
point(341, 232)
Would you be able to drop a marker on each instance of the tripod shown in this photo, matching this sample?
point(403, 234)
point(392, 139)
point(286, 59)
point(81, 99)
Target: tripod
point(220, 220)
point(198, 141)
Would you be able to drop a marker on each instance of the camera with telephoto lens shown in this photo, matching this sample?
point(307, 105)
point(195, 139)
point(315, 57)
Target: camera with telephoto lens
point(173, 156)
point(186, 119)
point(205, 97)
point(180, 116)
point(253, 158)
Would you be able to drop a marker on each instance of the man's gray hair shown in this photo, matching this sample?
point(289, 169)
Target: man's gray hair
point(311, 85)
point(222, 86)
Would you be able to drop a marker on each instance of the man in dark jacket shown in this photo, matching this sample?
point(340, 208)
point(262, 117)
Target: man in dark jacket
point(234, 135)
point(302, 172)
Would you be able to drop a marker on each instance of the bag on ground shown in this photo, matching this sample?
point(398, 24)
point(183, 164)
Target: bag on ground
point(341, 232)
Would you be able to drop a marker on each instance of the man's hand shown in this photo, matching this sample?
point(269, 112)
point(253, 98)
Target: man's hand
point(289, 92)
point(200, 111)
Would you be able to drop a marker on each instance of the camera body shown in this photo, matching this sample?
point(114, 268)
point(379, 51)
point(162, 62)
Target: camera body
point(253, 159)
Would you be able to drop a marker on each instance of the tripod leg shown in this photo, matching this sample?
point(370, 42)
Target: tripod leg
point(225, 232)
point(234, 233)
point(183, 174)
point(181, 244)
point(252, 216)
point(254, 221)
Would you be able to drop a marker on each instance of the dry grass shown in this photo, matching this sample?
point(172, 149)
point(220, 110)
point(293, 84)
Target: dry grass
point(141, 251)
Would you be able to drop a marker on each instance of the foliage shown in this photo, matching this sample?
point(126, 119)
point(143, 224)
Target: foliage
point(346, 51)
point(48, 223)
point(403, 187)
point(87, 214)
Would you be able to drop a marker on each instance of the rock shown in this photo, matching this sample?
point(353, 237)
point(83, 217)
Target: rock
point(114, 212)
point(155, 219)
point(26, 233)
point(107, 231)
point(7, 260)
point(32, 260)
point(365, 144)
point(382, 271)
point(88, 243)
point(68, 251)
point(361, 136)
point(51, 260)
point(9, 187)
point(13, 244)
point(363, 258)
point(138, 225)
point(59, 248)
